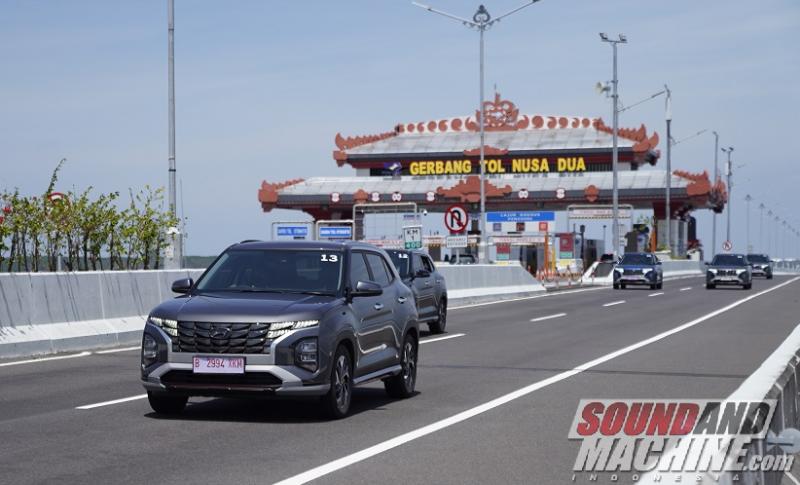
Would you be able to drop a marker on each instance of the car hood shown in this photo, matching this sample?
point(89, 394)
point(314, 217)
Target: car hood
point(635, 266)
point(246, 307)
point(727, 267)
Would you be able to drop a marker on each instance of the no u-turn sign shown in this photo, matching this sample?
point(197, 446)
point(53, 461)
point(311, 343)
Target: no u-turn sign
point(456, 218)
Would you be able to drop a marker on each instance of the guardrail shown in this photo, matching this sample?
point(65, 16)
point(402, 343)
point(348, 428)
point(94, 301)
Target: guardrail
point(44, 313)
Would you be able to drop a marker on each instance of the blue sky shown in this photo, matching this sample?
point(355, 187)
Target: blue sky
point(264, 86)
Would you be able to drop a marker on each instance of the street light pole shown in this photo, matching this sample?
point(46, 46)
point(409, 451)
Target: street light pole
point(615, 149)
point(175, 247)
point(669, 169)
point(729, 171)
point(769, 237)
point(747, 199)
point(716, 178)
point(481, 21)
point(761, 229)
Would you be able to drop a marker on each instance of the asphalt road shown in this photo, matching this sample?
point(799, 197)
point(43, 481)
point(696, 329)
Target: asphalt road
point(453, 431)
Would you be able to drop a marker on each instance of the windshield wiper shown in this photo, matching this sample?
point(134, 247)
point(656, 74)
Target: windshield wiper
point(313, 292)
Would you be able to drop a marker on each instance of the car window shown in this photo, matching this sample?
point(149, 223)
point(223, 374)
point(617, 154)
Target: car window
point(729, 260)
point(643, 259)
point(358, 269)
point(418, 262)
point(757, 258)
point(428, 264)
point(401, 261)
point(378, 267)
point(274, 270)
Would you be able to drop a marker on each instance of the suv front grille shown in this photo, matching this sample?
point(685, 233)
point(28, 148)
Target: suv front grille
point(727, 272)
point(222, 338)
point(186, 379)
point(632, 271)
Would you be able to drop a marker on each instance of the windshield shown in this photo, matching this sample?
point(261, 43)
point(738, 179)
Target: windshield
point(642, 259)
point(757, 258)
point(275, 270)
point(401, 261)
point(729, 260)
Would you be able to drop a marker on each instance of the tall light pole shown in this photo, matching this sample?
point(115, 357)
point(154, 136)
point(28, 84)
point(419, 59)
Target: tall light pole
point(729, 171)
point(481, 21)
point(716, 178)
point(769, 238)
point(747, 199)
point(761, 229)
point(777, 240)
point(668, 211)
point(615, 149)
point(175, 237)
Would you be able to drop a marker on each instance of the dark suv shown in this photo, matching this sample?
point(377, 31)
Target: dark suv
point(430, 291)
point(762, 265)
point(286, 319)
point(729, 269)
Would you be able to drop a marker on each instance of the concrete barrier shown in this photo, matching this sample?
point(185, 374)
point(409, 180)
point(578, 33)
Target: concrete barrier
point(44, 313)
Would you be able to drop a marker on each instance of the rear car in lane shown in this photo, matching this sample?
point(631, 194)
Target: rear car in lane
point(762, 265)
point(284, 319)
point(729, 269)
point(428, 285)
point(638, 269)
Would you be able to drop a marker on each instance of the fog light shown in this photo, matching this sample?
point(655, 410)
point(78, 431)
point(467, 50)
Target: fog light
point(149, 350)
point(305, 354)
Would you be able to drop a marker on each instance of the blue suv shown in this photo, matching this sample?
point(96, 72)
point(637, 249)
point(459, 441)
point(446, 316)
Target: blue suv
point(638, 269)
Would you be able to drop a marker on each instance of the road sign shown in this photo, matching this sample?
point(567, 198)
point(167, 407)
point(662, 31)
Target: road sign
point(727, 246)
point(336, 232)
point(520, 216)
point(456, 218)
point(412, 237)
point(293, 231)
point(456, 242)
point(543, 226)
point(598, 213)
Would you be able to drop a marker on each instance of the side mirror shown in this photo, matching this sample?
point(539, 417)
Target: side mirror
point(366, 288)
point(707, 263)
point(182, 285)
point(658, 263)
point(421, 273)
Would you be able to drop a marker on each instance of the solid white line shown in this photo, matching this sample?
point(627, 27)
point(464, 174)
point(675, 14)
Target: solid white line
point(358, 456)
point(656, 294)
point(115, 401)
point(686, 289)
point(45, 359)
point(791, 477)
point(548, 294)
point(436, 339)
point(112, 351)
point(620, 302)
point(548, 317)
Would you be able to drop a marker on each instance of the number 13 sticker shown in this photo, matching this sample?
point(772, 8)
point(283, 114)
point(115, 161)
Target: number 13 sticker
point(329, 258)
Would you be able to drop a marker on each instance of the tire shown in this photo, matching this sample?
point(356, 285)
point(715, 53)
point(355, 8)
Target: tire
point(336, 403)
point(441, 322)
point(165, 403)
point(710, 286)
point(616, 286)
point(769, 276)
point(402, 385)
point(747, 286)
point(654, 286)
point(660, 286)
point(622, 286)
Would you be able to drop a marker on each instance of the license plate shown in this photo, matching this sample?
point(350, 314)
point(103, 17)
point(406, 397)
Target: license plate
point(218, 365)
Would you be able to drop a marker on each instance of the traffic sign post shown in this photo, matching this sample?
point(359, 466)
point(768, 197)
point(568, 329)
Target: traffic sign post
point(412, 237)
point(456, 218)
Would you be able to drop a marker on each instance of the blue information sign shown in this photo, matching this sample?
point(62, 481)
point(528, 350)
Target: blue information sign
point(293, 231)
point(520, 216)
point(336, 232)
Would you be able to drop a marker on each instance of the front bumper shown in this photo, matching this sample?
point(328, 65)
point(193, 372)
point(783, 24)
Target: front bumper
point(173, 372)
point(647, 278)
point(764, 271)
point(734, 280)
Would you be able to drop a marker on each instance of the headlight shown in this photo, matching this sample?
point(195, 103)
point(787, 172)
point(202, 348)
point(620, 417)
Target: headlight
point(305, 354)
point(740, 271)
point(278, 329)
point(712, 271)
point(167, 325)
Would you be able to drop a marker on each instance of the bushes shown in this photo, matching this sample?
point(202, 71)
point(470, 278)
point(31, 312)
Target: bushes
point(89, 232)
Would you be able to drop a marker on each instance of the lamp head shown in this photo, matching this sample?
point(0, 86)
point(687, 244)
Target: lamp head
point(482, 15)
point(603, 36)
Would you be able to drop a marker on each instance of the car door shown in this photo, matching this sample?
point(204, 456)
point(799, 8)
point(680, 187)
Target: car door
point(423, 288)
point(367, 313)
point(377, 338)
point(438, 283)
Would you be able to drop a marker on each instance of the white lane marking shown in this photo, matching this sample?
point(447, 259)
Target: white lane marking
point(686, 289)
point(548, 317)
point(620, 302)
point(113, 351)
point(45, 359)
point(436, 339)
point(791, 477)
point(656, 294)
point(115, 401)
point(379, 448)
point(549, 294)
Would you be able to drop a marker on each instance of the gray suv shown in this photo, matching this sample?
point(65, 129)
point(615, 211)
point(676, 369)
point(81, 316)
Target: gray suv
point(762, 265)
point(729, 269)
point(428, 285)
point(284, 319)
